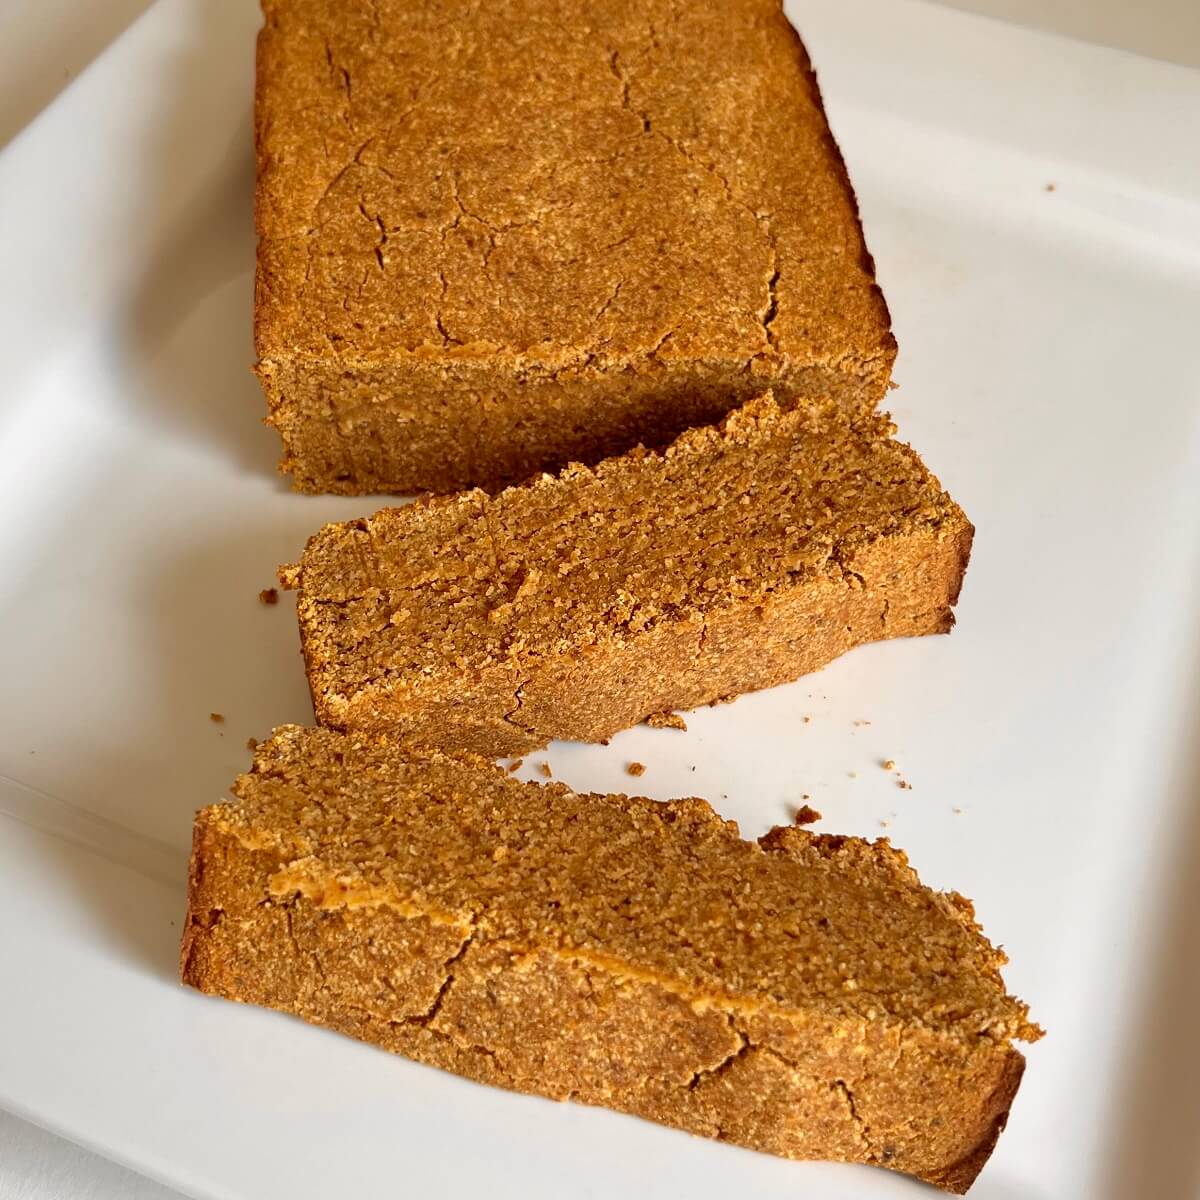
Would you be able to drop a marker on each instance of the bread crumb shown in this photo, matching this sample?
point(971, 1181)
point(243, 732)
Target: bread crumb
point(958, 812)
point(852, 774)
point(888, 764)
point(268, 596)
point(807, 719)
point(544, 768)
point(1051, 187)
point(805, 815)
point(903, 783)
point(514, 766)
point(666, 720)
point(860, 721)
point(636, 768)
point(217, 718)
point(805, 796)
point(252, 743)
point(884, 824)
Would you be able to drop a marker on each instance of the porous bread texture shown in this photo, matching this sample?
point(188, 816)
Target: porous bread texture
point(577, 605)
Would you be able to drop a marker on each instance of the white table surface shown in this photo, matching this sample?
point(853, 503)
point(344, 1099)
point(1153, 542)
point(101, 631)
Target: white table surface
point(44, 44)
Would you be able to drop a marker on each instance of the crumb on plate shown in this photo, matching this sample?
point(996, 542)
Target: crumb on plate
point(666, 720)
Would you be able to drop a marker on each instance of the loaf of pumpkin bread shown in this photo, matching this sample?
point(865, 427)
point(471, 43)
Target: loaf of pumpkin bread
point(495, 238)
point(803, 995)
point(576, 605)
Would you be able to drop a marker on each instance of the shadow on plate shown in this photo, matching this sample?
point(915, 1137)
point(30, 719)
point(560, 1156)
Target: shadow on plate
point(194, 375)
point(27, 87)
point(1153, 1145)
point(138, 925)
point(210, 646)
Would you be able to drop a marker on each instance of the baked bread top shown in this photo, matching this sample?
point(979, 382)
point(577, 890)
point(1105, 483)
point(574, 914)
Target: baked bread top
point(543, 184)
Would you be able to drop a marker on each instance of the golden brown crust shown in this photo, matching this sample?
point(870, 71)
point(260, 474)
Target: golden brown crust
point(866, 260)
point(958, 1177)
point(805, 995)
point(578, 605)
point(642, 231)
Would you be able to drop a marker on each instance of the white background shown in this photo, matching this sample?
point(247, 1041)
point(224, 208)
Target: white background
point(45, 43)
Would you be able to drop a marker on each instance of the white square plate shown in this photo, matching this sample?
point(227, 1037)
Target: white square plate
point(1048, 374)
